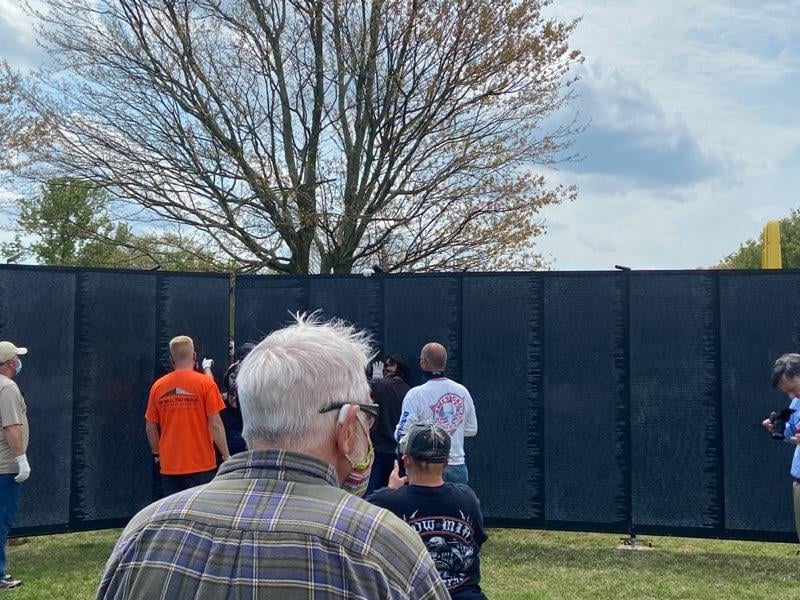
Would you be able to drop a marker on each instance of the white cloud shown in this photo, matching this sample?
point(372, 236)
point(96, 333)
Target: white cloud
point(689, 227)
point(17, 37)
point(632, 137)
point(700, 59)
point(12, 12)
point(696, 131)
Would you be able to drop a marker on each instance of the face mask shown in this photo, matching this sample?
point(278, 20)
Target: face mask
point(356, 483)
point(19, 365)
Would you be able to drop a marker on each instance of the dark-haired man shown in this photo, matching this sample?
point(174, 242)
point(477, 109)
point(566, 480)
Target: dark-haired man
point(786, 377)
point(447, 516)
point(388, 393)
point(232, 415)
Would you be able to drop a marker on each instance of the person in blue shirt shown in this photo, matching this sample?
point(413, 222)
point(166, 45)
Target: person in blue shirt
point(786, 377)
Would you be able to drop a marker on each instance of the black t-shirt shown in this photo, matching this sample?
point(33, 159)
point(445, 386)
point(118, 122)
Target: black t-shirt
point(388, 394)
point(448, 519)
point(232, 414)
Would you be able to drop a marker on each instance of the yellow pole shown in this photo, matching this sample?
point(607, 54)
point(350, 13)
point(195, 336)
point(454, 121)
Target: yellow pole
point(771, 248)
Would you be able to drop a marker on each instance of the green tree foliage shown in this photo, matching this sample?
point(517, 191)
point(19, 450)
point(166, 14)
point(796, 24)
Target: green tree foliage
point(68, 224)
point(748, 256)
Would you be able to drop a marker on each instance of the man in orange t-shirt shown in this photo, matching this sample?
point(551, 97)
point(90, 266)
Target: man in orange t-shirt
point(183, 423)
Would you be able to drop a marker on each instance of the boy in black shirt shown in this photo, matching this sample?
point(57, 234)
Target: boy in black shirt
point(447, 516)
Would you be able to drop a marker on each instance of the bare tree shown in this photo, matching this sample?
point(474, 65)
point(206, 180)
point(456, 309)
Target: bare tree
point(318, 135)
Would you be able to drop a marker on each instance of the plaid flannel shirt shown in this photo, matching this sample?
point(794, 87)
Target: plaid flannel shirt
point(272, 524)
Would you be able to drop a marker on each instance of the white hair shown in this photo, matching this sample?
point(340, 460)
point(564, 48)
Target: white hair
point(293, 373)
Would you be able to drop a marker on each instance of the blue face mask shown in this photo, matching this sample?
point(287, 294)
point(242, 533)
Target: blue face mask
point(19, 365)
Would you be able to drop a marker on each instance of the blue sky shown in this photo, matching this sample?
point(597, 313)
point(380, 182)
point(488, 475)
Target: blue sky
point(694, 137)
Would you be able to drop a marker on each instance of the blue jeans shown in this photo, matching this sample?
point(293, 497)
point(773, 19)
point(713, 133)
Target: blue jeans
point(9, 501)
point(456, 474)
point(172, 484)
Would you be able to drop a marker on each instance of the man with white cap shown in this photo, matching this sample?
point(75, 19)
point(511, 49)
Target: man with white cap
point(14, 467)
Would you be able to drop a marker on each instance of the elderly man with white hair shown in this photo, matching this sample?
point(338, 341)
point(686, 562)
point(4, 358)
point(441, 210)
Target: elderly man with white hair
point(283, 520)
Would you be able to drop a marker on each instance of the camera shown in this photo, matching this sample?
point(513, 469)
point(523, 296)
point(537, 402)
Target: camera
point(778, 421)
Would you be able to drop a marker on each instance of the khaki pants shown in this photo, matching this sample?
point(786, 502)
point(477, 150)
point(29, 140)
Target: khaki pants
point(796, 493)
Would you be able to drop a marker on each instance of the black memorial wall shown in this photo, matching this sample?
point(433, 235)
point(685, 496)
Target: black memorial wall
point(625, 402)
point(97, 339)
point(621, 402)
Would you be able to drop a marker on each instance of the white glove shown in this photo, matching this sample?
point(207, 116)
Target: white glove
point(377, 369)
point(208, 363)
point(24, 469)
point(367, 272)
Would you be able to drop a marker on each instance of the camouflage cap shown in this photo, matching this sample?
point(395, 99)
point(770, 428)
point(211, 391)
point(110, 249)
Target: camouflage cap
point(426, 442)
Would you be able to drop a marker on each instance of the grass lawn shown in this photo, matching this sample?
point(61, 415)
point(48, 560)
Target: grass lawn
point(538, 564)
point(516, 564)
point(59, 566)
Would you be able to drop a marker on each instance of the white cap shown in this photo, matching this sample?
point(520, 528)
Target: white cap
point(9, 351)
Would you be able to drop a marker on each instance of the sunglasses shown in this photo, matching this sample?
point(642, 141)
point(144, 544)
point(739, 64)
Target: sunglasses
point(371, 410)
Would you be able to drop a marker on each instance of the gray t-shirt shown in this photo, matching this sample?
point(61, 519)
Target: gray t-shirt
point(12, 412)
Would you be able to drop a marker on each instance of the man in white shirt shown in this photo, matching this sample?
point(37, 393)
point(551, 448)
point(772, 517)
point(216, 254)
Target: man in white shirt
point(442, 401)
